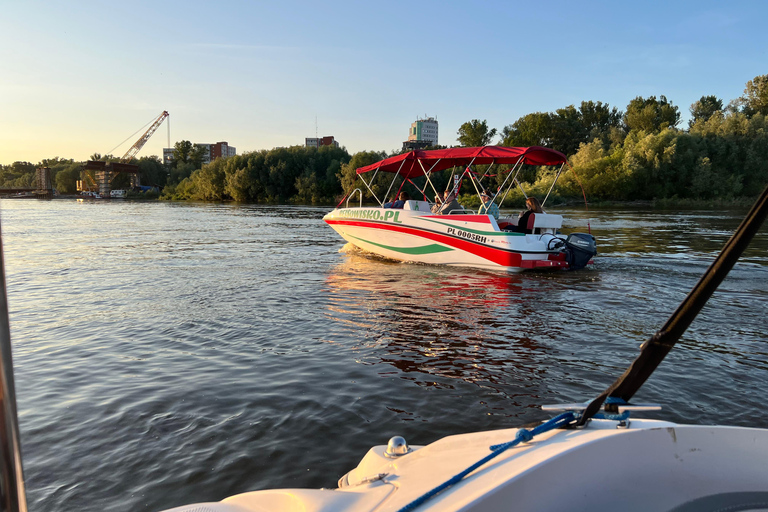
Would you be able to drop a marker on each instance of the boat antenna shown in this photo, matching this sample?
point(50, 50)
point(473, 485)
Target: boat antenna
point(12, 495)
point(653, 351)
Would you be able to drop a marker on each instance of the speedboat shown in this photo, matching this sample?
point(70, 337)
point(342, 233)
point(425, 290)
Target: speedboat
point(420, 232)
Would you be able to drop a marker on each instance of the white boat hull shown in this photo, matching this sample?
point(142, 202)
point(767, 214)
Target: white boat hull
point(416, 235)
point(652, 465)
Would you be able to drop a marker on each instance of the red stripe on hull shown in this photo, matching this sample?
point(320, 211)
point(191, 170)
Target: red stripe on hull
point(498, 256)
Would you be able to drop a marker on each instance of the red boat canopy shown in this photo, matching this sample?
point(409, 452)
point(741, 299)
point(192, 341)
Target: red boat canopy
point(409, 165)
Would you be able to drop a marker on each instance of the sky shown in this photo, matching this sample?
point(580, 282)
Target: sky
point(84, 77)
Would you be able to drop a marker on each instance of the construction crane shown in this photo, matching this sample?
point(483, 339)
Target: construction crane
point(128, 156)
point(100, 175)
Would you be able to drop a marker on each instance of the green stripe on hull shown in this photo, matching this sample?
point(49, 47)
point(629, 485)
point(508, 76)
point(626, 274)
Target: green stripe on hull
point(424, 249)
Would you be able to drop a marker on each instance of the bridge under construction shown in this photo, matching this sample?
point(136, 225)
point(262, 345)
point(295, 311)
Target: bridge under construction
point(98, 176)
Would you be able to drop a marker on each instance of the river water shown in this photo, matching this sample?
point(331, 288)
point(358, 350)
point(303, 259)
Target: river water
point(172, 353)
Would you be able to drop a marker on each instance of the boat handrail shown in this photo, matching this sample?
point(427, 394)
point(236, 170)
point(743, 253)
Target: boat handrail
point(352, 194)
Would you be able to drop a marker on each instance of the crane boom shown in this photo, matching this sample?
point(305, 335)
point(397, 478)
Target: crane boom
point(144, 138)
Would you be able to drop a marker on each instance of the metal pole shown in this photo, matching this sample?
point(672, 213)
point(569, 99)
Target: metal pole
point(655, 349)
point(553, 185)
point(12, 496)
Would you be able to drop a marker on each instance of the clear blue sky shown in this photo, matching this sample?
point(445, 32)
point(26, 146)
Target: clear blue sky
point(80, 77)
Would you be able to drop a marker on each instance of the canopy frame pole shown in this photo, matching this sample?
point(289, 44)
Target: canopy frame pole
point(468, 167)
point(424, 190)
point(493, 162)
point(519, 166)
point(428, 173)
point(520, 186)
point(476, 181)
point(495, 194)
point(369, 188)
point(450, 179)
point(553, 184)
point(456, 184)
point(393, 181)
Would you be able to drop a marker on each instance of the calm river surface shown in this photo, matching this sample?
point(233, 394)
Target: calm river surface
point(170, 353)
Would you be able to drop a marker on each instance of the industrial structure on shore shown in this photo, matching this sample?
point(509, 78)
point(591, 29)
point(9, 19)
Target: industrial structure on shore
point(97, 176)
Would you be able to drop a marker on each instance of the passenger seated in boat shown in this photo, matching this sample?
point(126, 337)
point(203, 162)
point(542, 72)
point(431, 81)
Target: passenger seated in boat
point(488, 207)
point(404, 196)
point(525, 223)
point(449, 204)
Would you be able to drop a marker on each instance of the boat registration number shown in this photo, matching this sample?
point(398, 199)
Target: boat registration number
point(469, 236)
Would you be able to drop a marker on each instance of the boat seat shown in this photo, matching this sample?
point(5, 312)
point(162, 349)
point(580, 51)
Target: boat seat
point(545, 223)
point(508, 223)
point(419, 206)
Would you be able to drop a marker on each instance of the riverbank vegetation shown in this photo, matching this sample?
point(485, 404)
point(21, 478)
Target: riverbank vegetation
point(639, 154)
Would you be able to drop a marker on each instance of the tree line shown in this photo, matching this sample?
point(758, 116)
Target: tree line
point(639, 153)
point(642, 153)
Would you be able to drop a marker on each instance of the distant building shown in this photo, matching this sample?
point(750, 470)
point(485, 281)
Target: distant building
point(410, 145)
point(220, 149)
point(424, 130)
point(212, 152)
point(314, 142)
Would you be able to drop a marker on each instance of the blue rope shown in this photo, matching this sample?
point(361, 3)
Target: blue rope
point(613, 400)
point(615, 417)
point(522, 435)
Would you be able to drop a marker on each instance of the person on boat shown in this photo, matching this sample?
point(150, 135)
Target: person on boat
point(448, 204)
point(404, 196)
point(488, 207)
point(532, 206)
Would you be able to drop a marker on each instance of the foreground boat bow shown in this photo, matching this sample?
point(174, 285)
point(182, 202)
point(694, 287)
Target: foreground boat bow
point(651, 465)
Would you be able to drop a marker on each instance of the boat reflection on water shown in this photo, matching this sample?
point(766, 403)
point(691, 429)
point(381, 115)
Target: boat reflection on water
point(436, 325)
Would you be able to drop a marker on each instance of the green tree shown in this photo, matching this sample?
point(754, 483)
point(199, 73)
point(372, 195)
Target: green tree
point(475, 133)
point(567, 128)
point(295, 174)
point(651, 115)
point(530, 130)
point(240, 182)
point(152, 172)
point(182, 151)
point(705, 108)
point(348, 175)
point(197, 155)
point(180, 171)
point(755, 99)
point(600, 120)
point(18, 175)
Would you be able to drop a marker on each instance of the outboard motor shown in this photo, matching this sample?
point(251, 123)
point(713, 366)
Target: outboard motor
point(579, 249)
